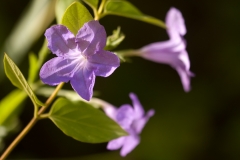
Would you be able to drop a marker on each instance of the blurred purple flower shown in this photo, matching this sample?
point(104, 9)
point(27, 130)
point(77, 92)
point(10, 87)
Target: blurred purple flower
point(132, 120)
point(172, 52)
point(79, 59)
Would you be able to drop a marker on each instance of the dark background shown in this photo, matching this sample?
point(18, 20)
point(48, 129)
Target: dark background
point(201, 124)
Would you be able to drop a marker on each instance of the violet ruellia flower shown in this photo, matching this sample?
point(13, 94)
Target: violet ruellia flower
point(79, 59)
point(172, 52)
point(132, 120)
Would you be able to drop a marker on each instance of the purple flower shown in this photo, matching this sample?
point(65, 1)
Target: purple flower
point(79, 59)
point(132, 120)
point(172, 52)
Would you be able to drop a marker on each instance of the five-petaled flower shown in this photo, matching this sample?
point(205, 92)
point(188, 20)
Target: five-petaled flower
point(79, 59)
point(132, 119)
point(172, 52)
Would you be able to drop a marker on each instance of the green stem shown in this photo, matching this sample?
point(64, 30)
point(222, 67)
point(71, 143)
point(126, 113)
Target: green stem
point(96, 16)
point(43, 116)
point(31, 123)
point(101, 7)
point(50, 99)
point(35, 111)
point(128, 53)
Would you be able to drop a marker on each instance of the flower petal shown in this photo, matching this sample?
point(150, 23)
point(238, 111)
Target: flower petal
point(56, 70)
point(138, 109)
point(172, 45)
point(158, 53)
point(179, 60)
point(139, 124)
point(91, 38)
point(116, 143)
point(129, 144)
point(60, 40)
point(175, 23)
point(104, 63)
point(125, 116)
point(82, 82)
point(183, 69)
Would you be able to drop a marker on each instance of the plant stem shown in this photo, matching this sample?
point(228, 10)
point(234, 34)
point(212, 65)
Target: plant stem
point(31, 123)
point(128, 53)
point(50, 99)
point(43, 116)
point(101, 7)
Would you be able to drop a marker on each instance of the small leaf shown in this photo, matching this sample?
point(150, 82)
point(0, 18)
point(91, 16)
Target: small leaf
point(92, 3)
point(61, 6)
point(126, 9)
point(16, 77)
point(9, 105)
point(83, 122)
point(115, 39)
point(75, 16)
point(33, 67)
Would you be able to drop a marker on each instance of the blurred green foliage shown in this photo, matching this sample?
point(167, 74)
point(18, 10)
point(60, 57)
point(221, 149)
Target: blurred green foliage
point(201, 124)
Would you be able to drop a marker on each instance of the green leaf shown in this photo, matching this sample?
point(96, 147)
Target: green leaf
point(43, 53)
point(9, 105)
point(75, 16)
point(16, 77)
point(92, 3)
point(126, 9)
point(33, 67)
point(115, 39)
point(83, 122)
point(61, 6)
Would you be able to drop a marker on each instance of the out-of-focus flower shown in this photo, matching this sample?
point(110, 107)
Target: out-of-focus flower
point(79, 59)
point(173, 51)
point(132, 119)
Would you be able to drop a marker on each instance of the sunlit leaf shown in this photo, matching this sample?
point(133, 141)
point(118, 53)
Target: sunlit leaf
point(9, 105)
point(92, 3)
point(33, 67)
point(83, 122)
point(42, 55)
point(75, 17)
point(36, 62)
point(126, 9)
point(16, 77)
point(61, 6)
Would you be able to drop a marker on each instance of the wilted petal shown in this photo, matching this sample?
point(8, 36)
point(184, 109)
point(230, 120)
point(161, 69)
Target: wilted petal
point(129, 144)
point(56, 70)
point(103, 63)
point(125, 116)
point(83, 82)
point(139, 124)
point(116, 143)
point(91, 38)
point(138, 109)
point(60, 40)
point(175, 23)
